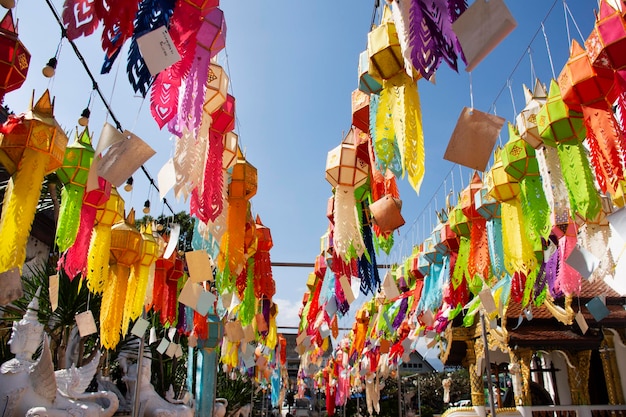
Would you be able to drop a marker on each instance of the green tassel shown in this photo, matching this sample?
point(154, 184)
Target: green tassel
point(583, 196)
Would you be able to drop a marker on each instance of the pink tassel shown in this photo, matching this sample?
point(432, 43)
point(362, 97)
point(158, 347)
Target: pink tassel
point(164, 97)
point(75, 260)
point(569, 280)
point(207, 204)
point(195, 85)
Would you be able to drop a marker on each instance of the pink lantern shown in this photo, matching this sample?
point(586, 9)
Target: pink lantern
point(212, 33)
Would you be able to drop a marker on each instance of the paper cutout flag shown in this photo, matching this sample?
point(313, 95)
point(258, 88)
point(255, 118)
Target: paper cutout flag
point(124, 158)
point(473, 139)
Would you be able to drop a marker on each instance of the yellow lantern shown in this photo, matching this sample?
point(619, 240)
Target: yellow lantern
point(500, 184)
point(126, 244)
point(383, 47)
point(139, 279)
point(34, 147)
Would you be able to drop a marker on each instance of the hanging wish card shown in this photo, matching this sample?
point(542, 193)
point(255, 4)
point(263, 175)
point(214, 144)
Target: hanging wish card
point(190, 294)
point(10, 286)
point(347, 289)
point(158, 50)
point(390, 288)
point(140, 327)
point(206, 302)
point(173, 242)
point(582, 323)
point(123, 158)
point(53, 290)
point(199, 265)
point(597, 308)
point(166, 178)
point(473, 139)
point(583, 261)
point(86, 324)
point(163, 346)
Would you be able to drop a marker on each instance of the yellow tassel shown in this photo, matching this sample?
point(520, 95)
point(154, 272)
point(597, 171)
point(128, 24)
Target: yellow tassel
point(518, 249)
point(272, 335)
point(98, 258)
point(112, 308)
point(20, 206)
point(413, 147)
point(133, 292)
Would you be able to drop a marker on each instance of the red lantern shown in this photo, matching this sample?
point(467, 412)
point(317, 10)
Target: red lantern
point(606, 43)
point(14, 57)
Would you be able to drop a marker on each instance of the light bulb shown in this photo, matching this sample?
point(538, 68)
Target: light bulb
point(146, 207)
point(129, 184)
point(84, 117)
point(49, 70)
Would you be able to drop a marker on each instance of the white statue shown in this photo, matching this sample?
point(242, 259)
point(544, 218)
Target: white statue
point(32, 388)
point(151, 404)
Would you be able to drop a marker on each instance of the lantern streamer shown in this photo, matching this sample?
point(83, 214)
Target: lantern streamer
point(347, 235)
point(112, 308)
point(98, 258)
point(518, 251)
point(69, 215)
point(19, 207)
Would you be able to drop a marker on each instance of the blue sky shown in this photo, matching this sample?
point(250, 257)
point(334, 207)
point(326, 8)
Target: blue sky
point(293, 67)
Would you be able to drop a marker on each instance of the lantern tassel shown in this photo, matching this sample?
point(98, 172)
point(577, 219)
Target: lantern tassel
point(583, 196)
point(347, 238)
point(518, 251)
point(69, 215)
point(19, 208)
point(98, 258)
point(383, 136)
point(135, 294)
point(74, 261)
point(112, 308)
point(407, 121)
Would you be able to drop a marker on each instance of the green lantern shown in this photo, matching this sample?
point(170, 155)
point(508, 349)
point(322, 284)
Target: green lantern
point(518, 157)
point(73, 174)
point(556, 122)
point(459, 222)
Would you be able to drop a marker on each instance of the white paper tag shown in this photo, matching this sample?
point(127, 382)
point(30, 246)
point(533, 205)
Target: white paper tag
point(171, 333)
point(86, 324)
point(163, 346)
point(10, 286)
point(158, 50)
point(140, 327)
point(582, 323)
point(153, 337)
point(166, 178)
point(53, 290)
point(171, 349)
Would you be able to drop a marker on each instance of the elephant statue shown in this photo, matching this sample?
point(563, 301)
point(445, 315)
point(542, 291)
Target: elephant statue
point(32, 388)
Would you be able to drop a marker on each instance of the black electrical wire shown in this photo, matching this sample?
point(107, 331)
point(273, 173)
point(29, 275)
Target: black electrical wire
point(80, 57)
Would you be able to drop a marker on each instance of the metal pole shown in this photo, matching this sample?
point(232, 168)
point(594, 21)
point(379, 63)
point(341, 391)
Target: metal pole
point(138, 378)
point(399, 392)
point(487, 364)
point(419, 396)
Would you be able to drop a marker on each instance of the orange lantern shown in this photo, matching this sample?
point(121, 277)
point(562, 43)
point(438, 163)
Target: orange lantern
point(264, 285)
point(126, 244)
point(14, 57)
point(33, 148)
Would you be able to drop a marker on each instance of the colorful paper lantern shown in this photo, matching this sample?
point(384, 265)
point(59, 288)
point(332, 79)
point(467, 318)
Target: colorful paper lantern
point(43, 145)
point(460, 224)
point(224, 117)
point(231, 144)
point(580, 83)
point(361, 110)
point(500, 185)
point(216, 89)
point(125, 252)
point(264, 285)
point(368, 83)
point(607, 41)
point(486, 205)
point(74, 261)
point(212, 33)
point(526, 120)
point(344, 167)
point(518, 157)
point(383, 47)
point(73, 174)
point(14, 57)
point(555, 122)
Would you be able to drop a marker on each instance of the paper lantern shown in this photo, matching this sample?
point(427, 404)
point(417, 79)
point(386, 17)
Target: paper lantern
point(607, 41)
point(264, 285)
point(386, 214)
point(203, 4)
point(555, 122)
point(243, 183)
point(460, 224)
point(449, 241)
point(73, 174)
point(216, 89)
point(14, 57)
point(526, 120)
point(43, 142)
point(212, 33)
point(580, 83)
point(125, 251)
point(383, 47)
point(224, 117)
point(231, 144)
point(487, 206)
point(468, 195)
point(361, 110)
point(368, 83)
point(344, 166)
point(518, 157)
point(500, 185)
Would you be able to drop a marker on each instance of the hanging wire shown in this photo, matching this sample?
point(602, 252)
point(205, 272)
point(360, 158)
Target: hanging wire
point(96, 87)
point(567, 11)
point(545, 37)
point(471, 92)
point(533, 74)
point(512, 99)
